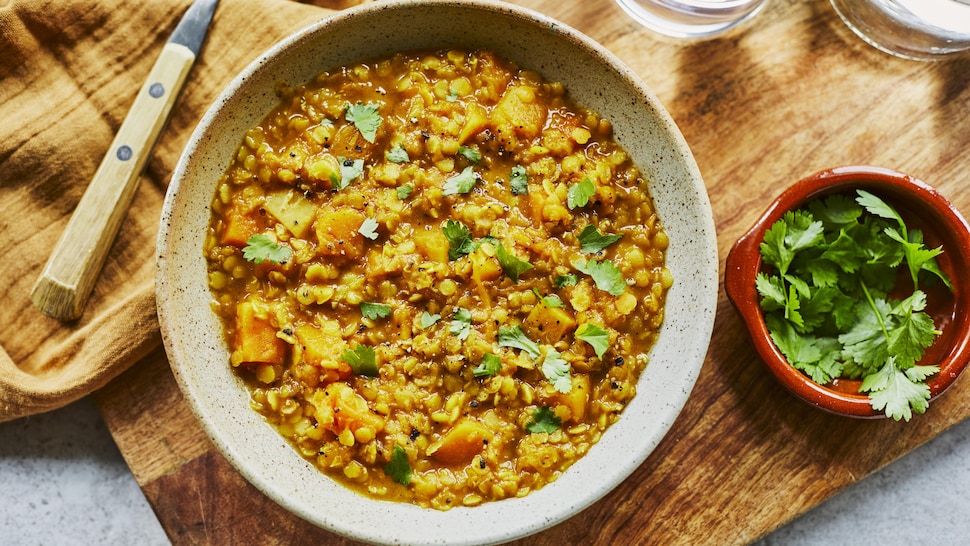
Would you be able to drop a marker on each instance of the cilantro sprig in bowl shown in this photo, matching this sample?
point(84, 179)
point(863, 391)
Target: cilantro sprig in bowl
point(853, 286)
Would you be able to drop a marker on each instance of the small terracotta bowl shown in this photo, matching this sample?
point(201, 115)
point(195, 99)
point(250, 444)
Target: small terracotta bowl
point(922, 207)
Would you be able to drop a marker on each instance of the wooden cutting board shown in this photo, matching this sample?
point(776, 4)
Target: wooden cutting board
point(793, 93)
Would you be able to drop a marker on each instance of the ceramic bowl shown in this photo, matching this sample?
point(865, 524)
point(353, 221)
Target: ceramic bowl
point(192, 332)
point(922, 207)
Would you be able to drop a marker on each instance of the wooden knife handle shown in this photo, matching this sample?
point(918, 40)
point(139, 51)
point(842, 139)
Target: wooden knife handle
point(70, 272)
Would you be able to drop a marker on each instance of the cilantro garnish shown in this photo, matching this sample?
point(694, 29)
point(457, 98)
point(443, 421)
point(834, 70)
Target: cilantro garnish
point(827, 303)
point(461, 323)
point(557, 371)
point(471, 154)
point(596, 336)
point(490, 365)
point(397, 154)
point(452, 96)
point(368, 228)
point(543, 420)
point(592, 241)
point(374, 311)
point(460, 240)
point(366, 118)
point(519, 181)
point(399, 469)
point(513, 336)
point(605, 274)
point(403, 192)
point(565, 280)
point(428, 320)
point(579, 194)
point(262, 248)
point(512, 265)
point(362, 360)
point(461, 182)
point(350, 170)
point(551, 300)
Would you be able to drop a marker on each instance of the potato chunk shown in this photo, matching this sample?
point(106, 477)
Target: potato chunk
point(466, 439)
point(519, 113)
point(337, 232)
point(339, 409)
point(548, 324)
point(432, 244)
point(292, 210)
point(255, 340)
point(239, 226)
point(322, 350)
point(577, 398)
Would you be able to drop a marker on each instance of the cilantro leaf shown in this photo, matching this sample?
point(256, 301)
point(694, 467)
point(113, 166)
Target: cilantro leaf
point(597, 337)
point(592, 241)
point(605, 274)
point(543, 420)
point(772, 290)
point(262, 248)
point(399, 469)
point(366, 118)
point(397, 154)
point(362, 360)
point(551, 300)
point(893, 391)
point(579, 194)
point(368, 228)
point(864, 343)
point(461, 182)
point(519, 181)
point(374, 311)
point(912, 330)
point(461, 323)
point(460, 240)
point(557, 371)
point(471, 154)
point(565, 280)
point(490, 365)
point(511, 265)
point(816, 357)
point(918, 257)
point(350, 170)
point(428, 320)
point(403, 192)
point(796, 230)
point(836, 211)
point(877, 206)
point(513, 336)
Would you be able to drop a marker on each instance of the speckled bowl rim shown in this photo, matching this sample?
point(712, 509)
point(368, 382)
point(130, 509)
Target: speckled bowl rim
point(744, 262)
point(197, 351)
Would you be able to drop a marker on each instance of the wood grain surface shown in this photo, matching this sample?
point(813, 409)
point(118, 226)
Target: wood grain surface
point(791, 93)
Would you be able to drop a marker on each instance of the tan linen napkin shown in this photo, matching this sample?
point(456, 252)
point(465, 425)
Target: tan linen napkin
point(69, 70)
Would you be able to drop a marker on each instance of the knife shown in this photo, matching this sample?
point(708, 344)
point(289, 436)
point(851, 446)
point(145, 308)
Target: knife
point(69, 275)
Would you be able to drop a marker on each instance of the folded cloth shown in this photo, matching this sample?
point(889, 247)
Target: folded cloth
point(69, 70)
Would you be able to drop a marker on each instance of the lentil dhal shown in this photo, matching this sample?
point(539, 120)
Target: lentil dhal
point(438, 275)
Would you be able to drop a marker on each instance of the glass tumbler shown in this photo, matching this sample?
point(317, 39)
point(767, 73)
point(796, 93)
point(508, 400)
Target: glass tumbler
point(691, 18)
point(912, 29)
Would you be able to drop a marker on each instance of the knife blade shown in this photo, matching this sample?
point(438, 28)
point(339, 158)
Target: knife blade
point(70, 273)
